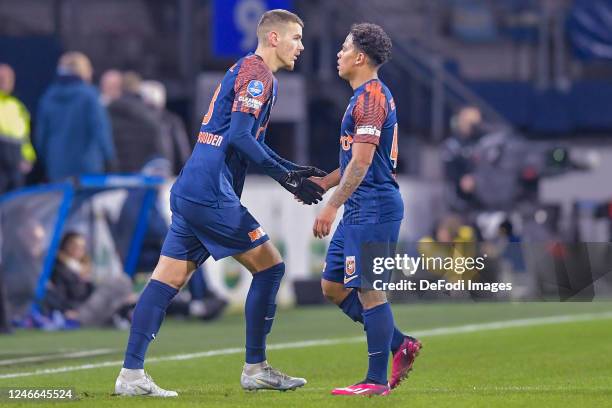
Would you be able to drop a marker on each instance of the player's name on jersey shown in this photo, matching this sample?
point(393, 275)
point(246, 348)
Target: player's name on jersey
point(441, 285)
point(209, 138)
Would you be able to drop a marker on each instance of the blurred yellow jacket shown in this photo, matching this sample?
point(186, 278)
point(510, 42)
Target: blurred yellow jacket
point(463, 245)
point(15, 125)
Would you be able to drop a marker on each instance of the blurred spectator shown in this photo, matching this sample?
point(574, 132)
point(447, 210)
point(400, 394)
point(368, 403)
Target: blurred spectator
point(111, 86)
point(490, 167)
point(174, 137)
point(73, 132)
point(22, 260)
point(199, 301)
point(452, 238)
point(458, 155)
point(16, 151)
point(72, 292)
point(137, 129)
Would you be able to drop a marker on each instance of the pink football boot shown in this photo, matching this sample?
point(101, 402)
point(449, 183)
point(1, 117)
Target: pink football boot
point(403, 359)
point(363, 389)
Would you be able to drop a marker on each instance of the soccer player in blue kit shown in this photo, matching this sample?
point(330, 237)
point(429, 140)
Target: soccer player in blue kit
point(373, 208)
point(208, 218)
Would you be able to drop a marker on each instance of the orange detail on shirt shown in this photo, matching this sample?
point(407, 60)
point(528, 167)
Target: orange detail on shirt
point(259, 132)
point(257, 234)
point(370, 113)
point(346, 141)
point(209, 138)
point(211, 106)
point(394, 150)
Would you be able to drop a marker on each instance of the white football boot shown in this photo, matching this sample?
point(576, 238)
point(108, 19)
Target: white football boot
point(264, 377)
point(138, 383)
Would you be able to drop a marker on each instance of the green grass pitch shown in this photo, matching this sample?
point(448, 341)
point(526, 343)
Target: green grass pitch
point(564, 359)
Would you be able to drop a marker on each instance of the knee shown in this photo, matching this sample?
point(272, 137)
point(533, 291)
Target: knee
point(176, 282)
point(175, 275)
point(372, 298)
point(277, 271)
point(333, 291)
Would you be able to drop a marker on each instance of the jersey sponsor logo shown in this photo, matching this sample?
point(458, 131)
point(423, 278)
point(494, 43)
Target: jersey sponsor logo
point(255, 88)
point(256, 234)
point(210, 139)
point(368, 130)
point(346, 141)
point(349, 265)
point(250, 102)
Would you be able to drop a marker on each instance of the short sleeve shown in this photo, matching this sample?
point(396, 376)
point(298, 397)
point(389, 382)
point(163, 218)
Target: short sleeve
point(369, 114)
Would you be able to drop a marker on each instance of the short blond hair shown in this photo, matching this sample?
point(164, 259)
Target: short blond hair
point(273, 18)
point(76, 63)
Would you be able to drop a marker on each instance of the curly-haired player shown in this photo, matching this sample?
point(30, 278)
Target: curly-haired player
point(373, 208)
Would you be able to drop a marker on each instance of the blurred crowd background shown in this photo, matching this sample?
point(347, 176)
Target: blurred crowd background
point(505, 119)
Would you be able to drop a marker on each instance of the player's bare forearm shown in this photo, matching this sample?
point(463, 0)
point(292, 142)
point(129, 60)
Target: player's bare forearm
point(351, 179)
point(331, 180)
point(354, 173)
point(353, 176)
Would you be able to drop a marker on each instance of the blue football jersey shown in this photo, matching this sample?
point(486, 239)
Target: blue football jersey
point(214, 174)
point(371, 118)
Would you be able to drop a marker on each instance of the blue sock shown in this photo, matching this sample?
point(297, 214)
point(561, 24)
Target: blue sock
point(352, 307)
point(197, 284)
point(259, 311)
point(378, 323)
point(148, 316)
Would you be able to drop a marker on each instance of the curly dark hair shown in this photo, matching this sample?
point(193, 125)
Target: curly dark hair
point(373, 41)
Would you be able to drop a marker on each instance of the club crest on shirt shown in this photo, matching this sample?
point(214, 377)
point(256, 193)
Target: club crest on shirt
point(349, 265)
point(255, 88)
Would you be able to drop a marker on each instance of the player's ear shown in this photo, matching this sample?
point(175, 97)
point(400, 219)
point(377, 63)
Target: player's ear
point(273, 38)
point(361, 59)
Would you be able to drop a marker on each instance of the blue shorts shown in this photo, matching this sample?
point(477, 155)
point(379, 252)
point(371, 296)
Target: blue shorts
point(198, 231)
point(343, 262)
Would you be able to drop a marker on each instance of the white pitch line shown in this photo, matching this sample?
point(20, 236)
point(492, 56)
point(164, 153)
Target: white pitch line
point(441, 331)
point(59, 356)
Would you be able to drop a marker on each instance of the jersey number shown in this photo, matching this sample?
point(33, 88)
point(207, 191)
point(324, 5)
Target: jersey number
point(394, 148)
point(211, 107)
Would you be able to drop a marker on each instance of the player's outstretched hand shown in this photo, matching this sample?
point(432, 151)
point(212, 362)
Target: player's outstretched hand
point(317, 180)
point(305, 190)
point(310, 192)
